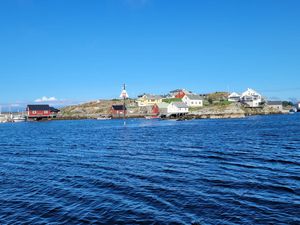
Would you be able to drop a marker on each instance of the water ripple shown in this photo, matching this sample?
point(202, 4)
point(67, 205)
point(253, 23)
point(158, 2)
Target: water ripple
point(240, 171)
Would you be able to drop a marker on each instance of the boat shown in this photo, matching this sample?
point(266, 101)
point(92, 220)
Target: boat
point(293, 110)
point(104, 118)
point(18, 119)
point(3, 119)
point(152, 117)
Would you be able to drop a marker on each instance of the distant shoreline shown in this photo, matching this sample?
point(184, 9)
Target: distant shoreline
point(186, 117)
point(98, 109)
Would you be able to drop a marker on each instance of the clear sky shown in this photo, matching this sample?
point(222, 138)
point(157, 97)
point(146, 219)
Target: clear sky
point(76, 50)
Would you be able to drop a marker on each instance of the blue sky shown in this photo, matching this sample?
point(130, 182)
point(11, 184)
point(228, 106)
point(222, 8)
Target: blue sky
point(76, 50)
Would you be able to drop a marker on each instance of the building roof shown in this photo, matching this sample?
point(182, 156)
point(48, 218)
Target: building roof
point(149, 96)
point(52, 109)
point(118, 107)
point(234, 95)
point(194, 97)
point(179, 90)
point(180, 104)
point(274, 102)
point(38, 107)
point(250, 92)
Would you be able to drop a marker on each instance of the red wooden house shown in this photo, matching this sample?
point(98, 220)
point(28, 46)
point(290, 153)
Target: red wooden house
point(38, 112)
point(118, 110)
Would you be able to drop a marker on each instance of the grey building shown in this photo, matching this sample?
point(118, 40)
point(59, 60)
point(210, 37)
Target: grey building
point(275, 105)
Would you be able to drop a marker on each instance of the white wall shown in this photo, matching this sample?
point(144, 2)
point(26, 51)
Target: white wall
point(253, 99)
point(172, 109)
point(254, 103)
point(192, 103)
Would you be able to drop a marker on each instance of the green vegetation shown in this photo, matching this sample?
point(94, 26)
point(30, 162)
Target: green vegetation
point(169, 100)
point(287, 104)
point(195, 109)
point(217, 97)
point(222, 103)
point(206, 103)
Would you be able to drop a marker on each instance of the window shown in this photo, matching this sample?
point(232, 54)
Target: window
point(33, 112)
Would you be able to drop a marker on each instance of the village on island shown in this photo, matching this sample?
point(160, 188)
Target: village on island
point(179, 104)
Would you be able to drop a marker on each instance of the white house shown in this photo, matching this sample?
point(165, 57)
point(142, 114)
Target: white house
point(234, 97)
point(251, 98)
point(178, 108)
point(192, 100)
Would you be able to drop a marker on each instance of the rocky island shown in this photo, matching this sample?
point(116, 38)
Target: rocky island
point(214, 106)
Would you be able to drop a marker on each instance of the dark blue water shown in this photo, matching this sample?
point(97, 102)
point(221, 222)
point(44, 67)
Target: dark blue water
point(239, 171)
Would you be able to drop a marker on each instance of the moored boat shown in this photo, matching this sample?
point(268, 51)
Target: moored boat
point(3, 119)
point(293, 110)
point(104, 118)
point(18, 119)
point(152, 117)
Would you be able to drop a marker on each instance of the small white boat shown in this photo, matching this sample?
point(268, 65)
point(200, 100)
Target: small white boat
point(152, 117)
point(293, 110)
point(3, 119)
point(18, 119)
point(104, 118)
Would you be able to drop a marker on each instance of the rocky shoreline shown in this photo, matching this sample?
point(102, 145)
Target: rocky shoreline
point(94, 110)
